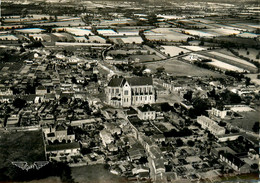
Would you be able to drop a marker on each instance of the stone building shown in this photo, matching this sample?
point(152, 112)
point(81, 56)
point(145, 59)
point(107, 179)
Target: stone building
point(130, 91)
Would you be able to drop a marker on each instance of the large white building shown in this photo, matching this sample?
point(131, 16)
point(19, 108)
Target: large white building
point(212, 126)
point(130, 91)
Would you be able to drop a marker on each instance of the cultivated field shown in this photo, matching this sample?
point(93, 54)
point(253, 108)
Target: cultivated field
point(143, 58)
point(78, 31)
point(8, 37)
point(194, 48)
point(166, 34)
point(222, 65)
point(173, 50)
point(254, 78)
point(30, 30)
point(212, 32)
point(72, 23)
point(179, 68)
point(252, 53)
point(238, 60)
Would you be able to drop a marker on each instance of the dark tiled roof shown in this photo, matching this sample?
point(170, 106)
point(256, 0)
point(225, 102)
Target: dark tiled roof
point(50, 135)
point(58, 147)
point(41, 87)
point(131, 111)
point(115, 82)
point(139, 81)
point(134, 81)
point(235, 160)
point(145, 108)
point(60, 128)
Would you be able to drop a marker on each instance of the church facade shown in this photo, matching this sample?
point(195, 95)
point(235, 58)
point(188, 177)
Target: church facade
point(125, 92)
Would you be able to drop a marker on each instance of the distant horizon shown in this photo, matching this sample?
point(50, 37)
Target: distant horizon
point(222, 1)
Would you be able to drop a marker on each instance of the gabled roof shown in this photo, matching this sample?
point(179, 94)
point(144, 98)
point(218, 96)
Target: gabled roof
point(60, 128)
point(58, 147)
point(139, 81)
point(133, 81)
point(116, 82)
point(41, 87)
point(50, 135)
point(145, 108)
point(235, 160)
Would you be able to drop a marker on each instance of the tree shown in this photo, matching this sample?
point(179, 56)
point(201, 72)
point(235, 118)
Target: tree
point(248, 81)
point(176, 105)
point(143, 160)
point(19, 103)
point(63, 100)
point(166, 107)
point(188, 95)
point(160, 70)
point(200, 106)
point(190, 143)
point(201, 43)
point(256, 127)
point(221, 123)
point(254, 166)
point(179, 142)
point(228, 97)
point(73, 80)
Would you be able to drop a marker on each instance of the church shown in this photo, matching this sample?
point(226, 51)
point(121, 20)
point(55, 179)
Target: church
point(125, 92)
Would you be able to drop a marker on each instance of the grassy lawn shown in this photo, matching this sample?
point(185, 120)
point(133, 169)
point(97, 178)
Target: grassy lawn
point(248, 121)
point(145, 57)
point(47, 180)
point(242, 178)
point(179, 68)
point(19, 146)
point(95, 174)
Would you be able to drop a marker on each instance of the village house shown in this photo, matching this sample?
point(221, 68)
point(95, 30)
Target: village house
point(217, 112)
point(41, 90)
point(212, 126)
point(146, 112)
point(12, 121)
point(5, 91)
point(106, 137)
point(62, 152)
point(236, 163)
point(58, 134)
